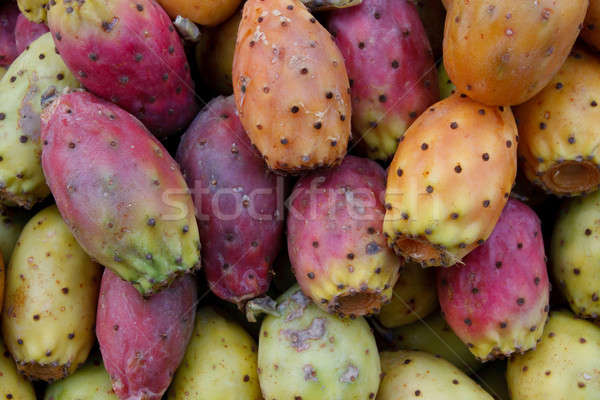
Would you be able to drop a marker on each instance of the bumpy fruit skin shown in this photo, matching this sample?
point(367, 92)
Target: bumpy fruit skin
point(493, 379)
point(497, 302)
point(129, 53)
point(559, 136)
point(575, 250)
point(50, 300)
point(210, 13)
point(236, 203)
point(449, 180)
point(91, 381)
point(416, 374)
point(310, 354)
point(564, 366)
point(9, 13)
point(335, 241)
point(220, 362)
point(12, 384)
point(414, 297)
point(214, 55)
point(130, 208)
point(12, 221)
point(504, 52)
point(291, 87)
point(434, 336)
point(142, 341)
point(445, 84)
point(591, 25)
point(34, 76)
point(390, 65)
point(34, 10)
point(26, 32)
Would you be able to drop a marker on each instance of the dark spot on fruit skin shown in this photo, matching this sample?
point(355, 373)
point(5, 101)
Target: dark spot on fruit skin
point(468, 322)
point(576, 271)
point(395, 64)
point(453, 125)
point(429, 189)
point(311, 275)
point(424, 146)
point(520, 301)
point(458, 169)
point(295, 109)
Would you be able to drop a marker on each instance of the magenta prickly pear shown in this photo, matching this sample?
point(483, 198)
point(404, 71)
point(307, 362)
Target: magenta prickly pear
point(8, 19)
point(497, 302)
point(26, 32)
point(119, 191)
point(236, 202)
point(391, 69)
point(127, 52)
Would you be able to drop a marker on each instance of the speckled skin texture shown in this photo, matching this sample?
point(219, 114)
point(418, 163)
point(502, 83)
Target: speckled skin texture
point(391, 67)
point(564, 366)
point(504, 52)
point(50, 300)
point(416, 374)
point(497, 302)
point(559, 135)
point(335, 241)
point(130, 207)
point(128, 52)
point(143, 340)
point(291, 87)
point(575, 252)
point(456, 143)
point(26, 32)
point(236, 203)
point(9, 13)
point(11, 382)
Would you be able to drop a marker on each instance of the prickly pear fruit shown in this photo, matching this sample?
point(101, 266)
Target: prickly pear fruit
point(12, 221)
point(322, 5)
point(91, 381)
point(12, 384)
point(291, 86)
point(135, 60)
point(220, 362)
point(559, 137)
point(416, 374)
point(51, 296)
point(335, 241)
point(26, 32)
point(504, 52)
point(449, 180)
point(34, 10)
point(414, 297)
point(564, 366)
point(35, 75)
point(9, 13)
point(307, 353)
point(209, 13)
point(591, 25)
point(575, 251)
point(497, 302)
point(214, 55)
point(130, 209)
point(434, 336)
point(390, 66)
point(493, 379)
point(143, 340)
point(445, 84)
point(236, 203)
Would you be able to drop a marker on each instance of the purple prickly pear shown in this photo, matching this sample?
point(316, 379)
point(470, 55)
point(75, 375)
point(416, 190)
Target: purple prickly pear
point(497, 302)
point(26, 32)
point(236, 202)
point(391, 69)
point(129, 53)
point(119, 191)
point(8, 19)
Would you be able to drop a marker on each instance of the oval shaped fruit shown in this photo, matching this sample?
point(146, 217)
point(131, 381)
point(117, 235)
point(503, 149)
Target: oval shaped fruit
point(310, 354)
point(564, 366)
point(559, 142)
point(449, 180)
point(203, 12)
point(416, 374)
point(12, 384)
point(51, 296)
point(220, 362)
point(504, 52)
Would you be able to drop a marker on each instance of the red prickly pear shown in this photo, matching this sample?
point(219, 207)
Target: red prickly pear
point(335, 239)
point(236, 202)
point(119, 191)
point(9, 13)
point(142, 341)
point(391, 70)
point(497, 302)
point(127, 52)
point(26, 32)
point(291, 87)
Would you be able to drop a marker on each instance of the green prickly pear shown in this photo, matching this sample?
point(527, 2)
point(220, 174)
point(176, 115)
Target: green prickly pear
point(12, 384)
point(306, 353)
point(51, 296)
point(36, 75)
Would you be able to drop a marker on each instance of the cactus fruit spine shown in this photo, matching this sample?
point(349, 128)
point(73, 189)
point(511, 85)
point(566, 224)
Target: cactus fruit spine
point(50, 299)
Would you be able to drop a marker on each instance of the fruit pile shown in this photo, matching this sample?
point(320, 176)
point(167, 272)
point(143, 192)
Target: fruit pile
point(299, 199)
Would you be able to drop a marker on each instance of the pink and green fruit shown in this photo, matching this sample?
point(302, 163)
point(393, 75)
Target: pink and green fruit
point(26, 32)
